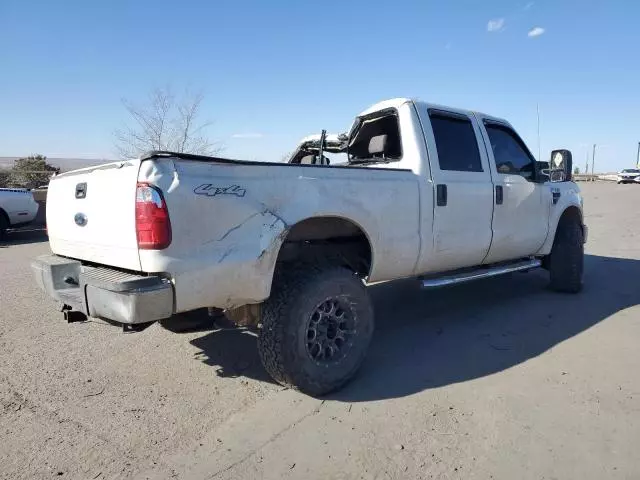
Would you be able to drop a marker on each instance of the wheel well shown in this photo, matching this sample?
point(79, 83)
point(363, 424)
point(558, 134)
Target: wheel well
point(572, 213)
point(333, 239)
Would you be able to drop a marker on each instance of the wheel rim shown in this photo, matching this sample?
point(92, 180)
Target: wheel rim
point(330, 331)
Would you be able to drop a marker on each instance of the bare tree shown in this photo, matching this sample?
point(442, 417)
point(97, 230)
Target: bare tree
point(165, 122)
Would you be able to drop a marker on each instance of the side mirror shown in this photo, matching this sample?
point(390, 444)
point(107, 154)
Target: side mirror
point(560, 166)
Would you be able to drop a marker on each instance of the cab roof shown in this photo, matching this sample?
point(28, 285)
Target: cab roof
point(398, 102)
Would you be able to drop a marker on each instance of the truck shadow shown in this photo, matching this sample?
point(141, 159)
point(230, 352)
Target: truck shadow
point(429, 339)
point(453, 335)
point(23, 236)
point(233, 352)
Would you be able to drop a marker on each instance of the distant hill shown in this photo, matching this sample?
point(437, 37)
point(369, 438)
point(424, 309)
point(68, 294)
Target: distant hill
point(64, 164)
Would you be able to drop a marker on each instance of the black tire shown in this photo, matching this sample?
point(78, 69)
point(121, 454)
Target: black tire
point(305, 301)
point(566, 259)
point(4, 224)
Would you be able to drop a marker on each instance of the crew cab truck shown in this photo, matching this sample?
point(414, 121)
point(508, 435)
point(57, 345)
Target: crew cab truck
point(436, 193)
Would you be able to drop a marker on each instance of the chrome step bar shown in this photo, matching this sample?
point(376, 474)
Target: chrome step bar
point(486, 272)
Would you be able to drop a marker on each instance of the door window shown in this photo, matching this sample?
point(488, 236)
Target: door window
point(509, 151)
point(456, 143)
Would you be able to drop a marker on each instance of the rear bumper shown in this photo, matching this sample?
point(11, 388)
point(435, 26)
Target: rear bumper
point(104, 292)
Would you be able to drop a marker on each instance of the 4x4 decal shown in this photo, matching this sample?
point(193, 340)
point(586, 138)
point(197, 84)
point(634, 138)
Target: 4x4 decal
point(212, 191)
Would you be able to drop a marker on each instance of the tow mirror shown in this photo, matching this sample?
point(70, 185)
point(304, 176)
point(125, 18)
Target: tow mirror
point(560, 166)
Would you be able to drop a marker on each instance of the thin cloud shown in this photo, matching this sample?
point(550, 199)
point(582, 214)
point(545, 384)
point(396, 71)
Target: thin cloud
point(247, 135)
point(529, 5)
point(536, 32)
point(495, 25)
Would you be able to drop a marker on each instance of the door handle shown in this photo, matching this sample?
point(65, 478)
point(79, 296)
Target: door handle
point(499, 195)
point(441, 195)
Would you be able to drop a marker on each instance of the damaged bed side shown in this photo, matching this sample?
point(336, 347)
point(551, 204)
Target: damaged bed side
point(222, 234)
point(234, 223)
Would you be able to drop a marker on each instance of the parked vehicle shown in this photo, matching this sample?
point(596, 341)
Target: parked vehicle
point(17, 208)
point(629, 175)
point(434, 193)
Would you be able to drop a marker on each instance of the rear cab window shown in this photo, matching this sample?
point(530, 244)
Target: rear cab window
point(376, 139)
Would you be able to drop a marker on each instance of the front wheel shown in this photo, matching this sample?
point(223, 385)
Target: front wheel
point(567, 257)
point(316, 328)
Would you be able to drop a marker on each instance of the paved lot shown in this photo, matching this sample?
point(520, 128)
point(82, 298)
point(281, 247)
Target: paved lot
point(500, 379)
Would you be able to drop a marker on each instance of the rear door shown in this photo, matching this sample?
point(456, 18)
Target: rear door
point(463, 192)
point(91, 215)
point(521, 215)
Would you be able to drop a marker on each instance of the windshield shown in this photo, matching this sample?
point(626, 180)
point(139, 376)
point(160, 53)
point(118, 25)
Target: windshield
point(630, 170)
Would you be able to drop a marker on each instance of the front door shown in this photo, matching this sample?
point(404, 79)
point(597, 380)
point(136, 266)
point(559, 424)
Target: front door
point(520, 217)
point(463, 192)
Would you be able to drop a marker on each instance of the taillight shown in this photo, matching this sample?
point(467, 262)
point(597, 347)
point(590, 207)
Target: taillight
point(153, 227)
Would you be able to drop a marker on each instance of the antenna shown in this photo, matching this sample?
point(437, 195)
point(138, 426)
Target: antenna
point(538, 115)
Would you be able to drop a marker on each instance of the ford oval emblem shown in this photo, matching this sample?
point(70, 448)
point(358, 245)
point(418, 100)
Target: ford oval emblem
point(80, 219)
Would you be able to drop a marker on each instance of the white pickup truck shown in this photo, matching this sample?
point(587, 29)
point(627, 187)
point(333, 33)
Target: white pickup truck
point(440, 194)
point(17, 208)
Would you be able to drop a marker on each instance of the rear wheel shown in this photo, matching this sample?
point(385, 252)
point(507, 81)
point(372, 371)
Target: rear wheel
point(316, 328)
point(567, 257)
point(4, 224)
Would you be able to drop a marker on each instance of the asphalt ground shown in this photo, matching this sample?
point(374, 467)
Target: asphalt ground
point(497, 379)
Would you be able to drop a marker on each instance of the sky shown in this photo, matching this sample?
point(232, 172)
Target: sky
point(275, 71)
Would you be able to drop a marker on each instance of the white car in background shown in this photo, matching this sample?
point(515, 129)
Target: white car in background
point(629, 175)
point(17, 208)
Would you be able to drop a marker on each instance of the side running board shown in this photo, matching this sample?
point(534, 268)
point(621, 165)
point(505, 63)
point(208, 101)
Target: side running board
point(477, 274)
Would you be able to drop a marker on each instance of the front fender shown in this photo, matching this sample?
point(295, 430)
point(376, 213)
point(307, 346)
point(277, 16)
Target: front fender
point(570, 197)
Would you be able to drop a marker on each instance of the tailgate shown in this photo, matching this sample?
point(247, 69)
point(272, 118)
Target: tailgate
point(91, 214)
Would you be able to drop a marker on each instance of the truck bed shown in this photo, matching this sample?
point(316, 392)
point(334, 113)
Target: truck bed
point(229, 219)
